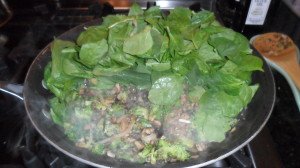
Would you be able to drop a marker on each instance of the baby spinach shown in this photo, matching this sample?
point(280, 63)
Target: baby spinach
point(166, 90)
point(91, 53)
point(92, 34)
point(214, 117)
point(184, 53)
point(135, 10)
point(138, 44)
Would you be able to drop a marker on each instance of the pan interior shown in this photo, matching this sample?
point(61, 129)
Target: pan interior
point(251, 120)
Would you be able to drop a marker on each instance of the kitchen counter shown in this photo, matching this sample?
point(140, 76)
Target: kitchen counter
point(284, 124)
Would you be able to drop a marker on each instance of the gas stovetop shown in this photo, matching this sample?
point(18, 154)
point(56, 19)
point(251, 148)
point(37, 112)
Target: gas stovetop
point(21, 40)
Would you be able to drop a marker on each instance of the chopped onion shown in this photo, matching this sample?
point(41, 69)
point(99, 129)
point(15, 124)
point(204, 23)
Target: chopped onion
point(184, 121)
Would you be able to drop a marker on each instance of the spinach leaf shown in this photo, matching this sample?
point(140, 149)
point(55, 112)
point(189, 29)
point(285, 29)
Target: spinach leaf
point(247, 93)
point(196, 93)
point(156, 66)
point(56, 79)
point(176, 42)
point(178, 19)
point(200, 38)
point(181, 65)
point(57, 111)
point(138, 44)
point(230, 43)
point(123, 58)
point(135, 10)
point(247, 62)
point(138, 26)
point(130, 77)
point(227, 82)
point(224, 46)
point(91, 53)
point(160, 44)
point(111, 21)
point(73, 68)
point(112, 69)
point(229, 68)
point(47, 72)
point(213, 119)
point(203, 18)
point(194, 76)
point(57, 56)
point(254, 88)
point(103, 82)
point(211, 127)
point(92, 34)
point(141, 67)
point(119, 31)
point(155, 75)
point(206, 53)
point(153, 12)
point(166, 90)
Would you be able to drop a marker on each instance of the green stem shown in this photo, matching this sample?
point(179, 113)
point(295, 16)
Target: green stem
point(126, 20)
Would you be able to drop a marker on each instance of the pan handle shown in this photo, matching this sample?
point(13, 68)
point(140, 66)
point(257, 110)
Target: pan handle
point(15, 90)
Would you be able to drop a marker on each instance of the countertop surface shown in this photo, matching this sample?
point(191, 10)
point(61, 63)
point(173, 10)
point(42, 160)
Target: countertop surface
point(284, 124)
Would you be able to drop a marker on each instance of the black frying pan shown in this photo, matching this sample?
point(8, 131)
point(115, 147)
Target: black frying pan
point(36, 98)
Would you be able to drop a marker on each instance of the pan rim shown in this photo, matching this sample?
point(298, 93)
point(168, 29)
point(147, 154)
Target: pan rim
point(89, 162)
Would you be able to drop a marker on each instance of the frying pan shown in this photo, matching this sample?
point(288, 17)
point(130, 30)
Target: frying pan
point(251, 121)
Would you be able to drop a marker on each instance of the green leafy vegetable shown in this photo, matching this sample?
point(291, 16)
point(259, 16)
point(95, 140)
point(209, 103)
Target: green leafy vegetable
point(134, 74)
point(164, 151)
point(58, 110)
point(214, 115)
point(166, 90)
point(203, 18)
point(139, 44)
point(196, 93)
point(92, 34)
point(158, 66)
point(135, 10)
point(91, 53)
point(142, 80)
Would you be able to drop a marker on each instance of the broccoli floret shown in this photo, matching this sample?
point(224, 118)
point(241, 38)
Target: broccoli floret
point(83, 113)
point(146, 151)
point(140, 112)
point(116, 144)
point(124, 150)
point(98, 149)
point(69, 131)
point(158, 111)
point(167, 150)
point(149, 153)
point(123, 96)
point(164, 151)
point(117, 110)
point(111, 129)
point(143, 123)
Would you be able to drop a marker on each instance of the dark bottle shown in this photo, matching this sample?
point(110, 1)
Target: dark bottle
point(257, 17)
point(246, 16)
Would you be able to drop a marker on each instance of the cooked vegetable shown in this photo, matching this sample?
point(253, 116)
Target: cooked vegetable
point(151, 88)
